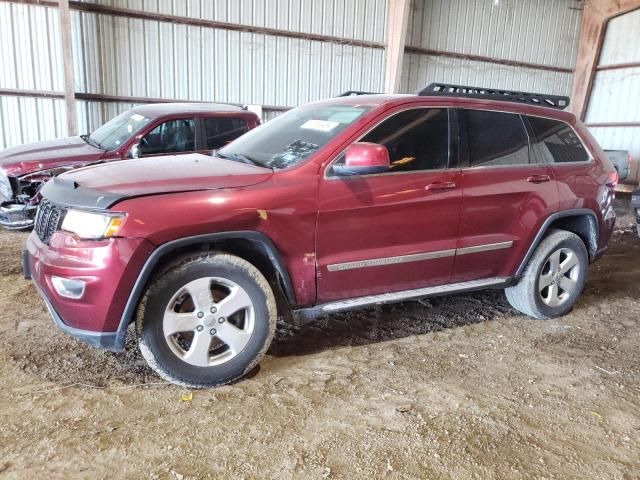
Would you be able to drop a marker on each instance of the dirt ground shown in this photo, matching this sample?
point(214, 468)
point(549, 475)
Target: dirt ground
point(459, 387)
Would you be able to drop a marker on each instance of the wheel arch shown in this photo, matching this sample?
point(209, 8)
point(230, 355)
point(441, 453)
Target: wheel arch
point(254, 247)
point(582, 222)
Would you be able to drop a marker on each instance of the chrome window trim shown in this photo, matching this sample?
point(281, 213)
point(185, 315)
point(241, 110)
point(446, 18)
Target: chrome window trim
point(590, 162)
point(336, 157)
point(520, 165)
point(417, 257)
point(559, 164)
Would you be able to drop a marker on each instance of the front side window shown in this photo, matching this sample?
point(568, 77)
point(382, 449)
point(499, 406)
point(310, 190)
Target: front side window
point(116, 131)
point(221, 130)
point(294, 136)
point(495, 138)
point(417, 139)
point(556, 142)
point(173, 136)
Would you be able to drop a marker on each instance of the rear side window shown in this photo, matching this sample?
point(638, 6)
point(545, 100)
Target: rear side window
point(416, 139)
point(221, 130)
point(556, 142)
point(495, 138)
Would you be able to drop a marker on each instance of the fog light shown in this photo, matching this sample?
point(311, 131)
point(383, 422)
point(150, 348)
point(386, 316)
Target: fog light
point(67, 287)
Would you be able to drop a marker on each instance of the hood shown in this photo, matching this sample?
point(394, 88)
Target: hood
point(112, 182)
point(34, 157)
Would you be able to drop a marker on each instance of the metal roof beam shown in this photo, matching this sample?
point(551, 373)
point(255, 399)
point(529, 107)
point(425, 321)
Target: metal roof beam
point(397, 21)
point(595, 16)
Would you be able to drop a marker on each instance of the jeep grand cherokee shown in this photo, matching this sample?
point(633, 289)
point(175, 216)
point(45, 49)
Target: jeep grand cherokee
point(334, 205)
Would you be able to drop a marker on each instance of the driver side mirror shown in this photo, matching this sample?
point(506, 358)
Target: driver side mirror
point(134, 151)
point(364, 158)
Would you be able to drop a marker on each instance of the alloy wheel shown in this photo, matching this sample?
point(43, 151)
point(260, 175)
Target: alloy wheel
point(209, 321)
point(558, 281)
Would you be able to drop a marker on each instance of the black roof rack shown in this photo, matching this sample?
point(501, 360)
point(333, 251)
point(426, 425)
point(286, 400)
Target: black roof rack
point(541, 99)
point(353, 93)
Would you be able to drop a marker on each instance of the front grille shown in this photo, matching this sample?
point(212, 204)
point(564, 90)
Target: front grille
point(47, 220)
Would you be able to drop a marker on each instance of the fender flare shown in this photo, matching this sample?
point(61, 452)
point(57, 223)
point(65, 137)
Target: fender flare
point(545, 226)
point(261, 240)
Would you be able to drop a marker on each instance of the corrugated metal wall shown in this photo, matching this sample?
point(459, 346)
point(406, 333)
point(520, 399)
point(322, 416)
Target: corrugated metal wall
point(615, 97)
point(117, 55)
point(30, 59)
point(356, 19)
point(121, 56)
point(541, 32)
point(147, 58)
point(91, 115)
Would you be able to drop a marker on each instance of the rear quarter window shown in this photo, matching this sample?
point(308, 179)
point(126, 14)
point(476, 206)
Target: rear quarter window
point(556, 142)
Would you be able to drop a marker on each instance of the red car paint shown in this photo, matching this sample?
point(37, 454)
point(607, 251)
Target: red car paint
point(34, 157)
point(74, 151)
point(315, 221)
point(149, 176)
point(34, 164)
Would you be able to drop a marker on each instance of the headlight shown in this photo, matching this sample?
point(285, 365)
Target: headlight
point(92, 226)
point(6, 192)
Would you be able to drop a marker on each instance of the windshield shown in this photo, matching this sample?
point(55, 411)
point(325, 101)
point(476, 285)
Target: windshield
point(293, 136)
point(115, 132)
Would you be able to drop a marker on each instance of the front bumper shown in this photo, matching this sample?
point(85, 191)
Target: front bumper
point(16, 216)
point(113, 341)
point(109, 269)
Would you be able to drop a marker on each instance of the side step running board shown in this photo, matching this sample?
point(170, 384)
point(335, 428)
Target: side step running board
point(351, 303)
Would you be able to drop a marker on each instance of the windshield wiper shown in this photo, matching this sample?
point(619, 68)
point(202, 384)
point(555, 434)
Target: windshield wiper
point(90, 141)
point(238, 158)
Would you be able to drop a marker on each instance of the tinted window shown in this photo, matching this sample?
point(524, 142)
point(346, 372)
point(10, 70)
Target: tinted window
point(556, 142)
point(416, 139)
point(173, 136)
point(495, 138)
point(221, 130)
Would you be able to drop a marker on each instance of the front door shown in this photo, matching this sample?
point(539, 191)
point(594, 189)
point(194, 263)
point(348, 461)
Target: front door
point(171, 137)
point(392, 231)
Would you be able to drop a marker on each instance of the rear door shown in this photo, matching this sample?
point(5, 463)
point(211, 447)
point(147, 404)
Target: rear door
point(397, 230)
point(507, 190)
point(559, 146)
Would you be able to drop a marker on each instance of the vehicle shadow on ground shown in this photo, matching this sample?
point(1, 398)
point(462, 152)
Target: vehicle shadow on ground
point(387, 322)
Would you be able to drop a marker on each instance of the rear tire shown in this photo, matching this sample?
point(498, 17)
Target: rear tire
point(207, 320)
point(553, 278)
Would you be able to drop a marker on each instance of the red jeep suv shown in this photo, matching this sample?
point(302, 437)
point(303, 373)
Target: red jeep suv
point(334, 205)
point(143, 131)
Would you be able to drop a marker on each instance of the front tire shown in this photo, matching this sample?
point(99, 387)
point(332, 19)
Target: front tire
point(207, 320)
point(553, 278)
